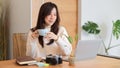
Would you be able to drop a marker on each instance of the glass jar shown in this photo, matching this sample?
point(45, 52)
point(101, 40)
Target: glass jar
point(71, 60)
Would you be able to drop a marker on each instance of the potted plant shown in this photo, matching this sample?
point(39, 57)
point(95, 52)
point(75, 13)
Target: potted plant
point(72, 55)
point(92, 28)
point(71, 40)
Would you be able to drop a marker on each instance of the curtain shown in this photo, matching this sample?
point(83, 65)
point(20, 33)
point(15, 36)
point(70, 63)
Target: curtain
point(3, 34)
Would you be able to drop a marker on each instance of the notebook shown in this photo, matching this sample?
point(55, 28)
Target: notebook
point(25, 60)
point(87, 49)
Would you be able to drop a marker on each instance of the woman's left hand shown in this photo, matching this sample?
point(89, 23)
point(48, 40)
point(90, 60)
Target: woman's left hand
point(51, 35)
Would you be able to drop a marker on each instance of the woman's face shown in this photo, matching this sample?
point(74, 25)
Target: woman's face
point(51, 18)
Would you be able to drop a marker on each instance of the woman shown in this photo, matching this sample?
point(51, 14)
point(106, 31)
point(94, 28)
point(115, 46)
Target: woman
point(55, 41)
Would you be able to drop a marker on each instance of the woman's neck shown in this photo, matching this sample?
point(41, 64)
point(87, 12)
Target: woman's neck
point(47, 26)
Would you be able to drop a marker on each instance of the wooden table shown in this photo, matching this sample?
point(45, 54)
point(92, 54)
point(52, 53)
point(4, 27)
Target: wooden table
point(98, 62)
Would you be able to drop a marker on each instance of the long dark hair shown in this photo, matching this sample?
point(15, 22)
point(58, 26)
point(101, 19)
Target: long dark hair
point(44, 11)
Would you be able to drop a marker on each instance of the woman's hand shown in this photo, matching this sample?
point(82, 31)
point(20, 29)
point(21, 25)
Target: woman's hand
point(51, 35)
point(35, 34)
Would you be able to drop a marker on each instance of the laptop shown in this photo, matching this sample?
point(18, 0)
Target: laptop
point(87, 49)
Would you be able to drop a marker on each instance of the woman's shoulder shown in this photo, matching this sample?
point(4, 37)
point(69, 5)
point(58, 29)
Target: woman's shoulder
point(62, 31)
point(31, 31)
point(62, 28)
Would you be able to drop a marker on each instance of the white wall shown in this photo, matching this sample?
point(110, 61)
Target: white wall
point(102, 12)
point(19, 15)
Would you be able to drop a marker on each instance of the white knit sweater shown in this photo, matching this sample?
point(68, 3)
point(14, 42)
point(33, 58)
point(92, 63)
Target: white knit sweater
point(61, 46)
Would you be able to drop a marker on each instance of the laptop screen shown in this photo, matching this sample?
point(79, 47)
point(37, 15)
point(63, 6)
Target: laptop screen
point(87, 49)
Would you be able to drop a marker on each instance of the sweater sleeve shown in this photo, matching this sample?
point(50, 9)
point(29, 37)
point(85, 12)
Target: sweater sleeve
point(63, 42)
point(30, 45)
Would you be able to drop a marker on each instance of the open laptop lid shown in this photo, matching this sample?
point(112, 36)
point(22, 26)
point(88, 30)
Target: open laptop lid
point(87, 49)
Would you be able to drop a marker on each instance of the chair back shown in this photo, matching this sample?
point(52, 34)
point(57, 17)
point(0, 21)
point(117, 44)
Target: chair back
point(19, 44)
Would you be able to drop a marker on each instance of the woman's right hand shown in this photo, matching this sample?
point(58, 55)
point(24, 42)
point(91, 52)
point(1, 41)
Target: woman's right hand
point(35, 34)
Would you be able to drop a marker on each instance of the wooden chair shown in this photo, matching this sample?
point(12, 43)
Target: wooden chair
point(19, 44)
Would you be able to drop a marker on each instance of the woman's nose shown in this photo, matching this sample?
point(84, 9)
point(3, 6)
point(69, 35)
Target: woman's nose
point(52, 16)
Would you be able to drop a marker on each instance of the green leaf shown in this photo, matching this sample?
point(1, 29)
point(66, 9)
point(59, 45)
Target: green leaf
point(76, 37)
point(116, 29)
point(70, 39)
point(91, 27)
